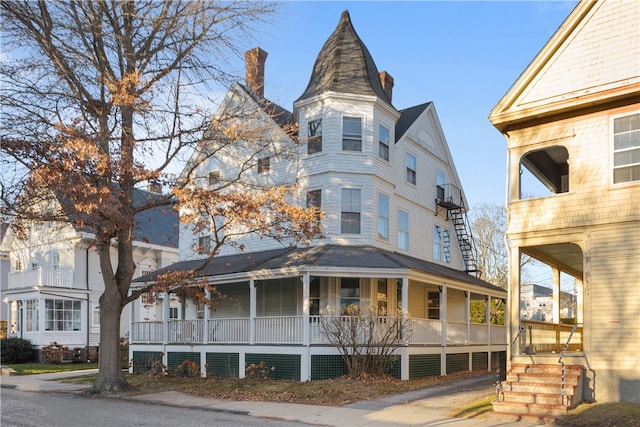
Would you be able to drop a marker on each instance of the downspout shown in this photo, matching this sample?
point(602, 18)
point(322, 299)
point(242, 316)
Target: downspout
point(86, 271)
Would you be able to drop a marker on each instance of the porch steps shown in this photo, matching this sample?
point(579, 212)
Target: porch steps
point(535, 391)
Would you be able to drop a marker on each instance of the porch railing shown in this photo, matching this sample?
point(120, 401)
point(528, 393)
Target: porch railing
point(291, 330)
point(543, 337)
point(61, 278)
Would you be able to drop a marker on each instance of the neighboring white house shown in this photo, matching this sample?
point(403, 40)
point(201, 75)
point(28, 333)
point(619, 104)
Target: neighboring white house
point(572, 121)
point(395, 228)
point(55, 280)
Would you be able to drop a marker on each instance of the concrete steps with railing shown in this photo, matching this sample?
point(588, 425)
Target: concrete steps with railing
point(536, 390)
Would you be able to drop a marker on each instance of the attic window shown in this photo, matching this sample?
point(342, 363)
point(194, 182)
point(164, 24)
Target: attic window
point(544, 172)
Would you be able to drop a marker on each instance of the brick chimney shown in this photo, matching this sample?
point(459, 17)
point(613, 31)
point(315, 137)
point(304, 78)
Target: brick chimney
point(387, 84)
point(255, 59)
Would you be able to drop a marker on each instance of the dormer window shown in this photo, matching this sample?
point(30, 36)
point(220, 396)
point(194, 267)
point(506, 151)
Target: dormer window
point(314, 136)
point(352, 134)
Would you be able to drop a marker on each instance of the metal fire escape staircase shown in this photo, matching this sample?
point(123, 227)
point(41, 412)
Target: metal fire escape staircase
point(449, 197)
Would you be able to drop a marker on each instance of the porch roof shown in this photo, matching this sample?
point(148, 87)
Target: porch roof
point(319, 256)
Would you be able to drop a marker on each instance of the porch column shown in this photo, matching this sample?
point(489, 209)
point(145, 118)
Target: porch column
point(579, 301)
point(305, 308)
point(252, 311)
point(205, 326)
point(403, 282)
point(443, 322)
point(556, 295)
point(165, 318)
point(467, 310)
point(512, 309)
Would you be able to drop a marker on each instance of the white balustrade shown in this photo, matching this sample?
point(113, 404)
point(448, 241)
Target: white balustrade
point(146, 332)
point(425, 331)
point(229, 331)
point(278, 330)
point(186, 331)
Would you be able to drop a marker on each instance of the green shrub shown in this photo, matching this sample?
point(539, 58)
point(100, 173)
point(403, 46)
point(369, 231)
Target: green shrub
point(15, 350)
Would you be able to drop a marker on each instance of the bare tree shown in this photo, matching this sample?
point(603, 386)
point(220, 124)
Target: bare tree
point(100, 97)
point(488, 225)
point(367, 341)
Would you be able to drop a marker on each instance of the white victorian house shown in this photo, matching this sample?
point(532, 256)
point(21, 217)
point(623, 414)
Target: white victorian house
point(395, 228)
point(55, 281)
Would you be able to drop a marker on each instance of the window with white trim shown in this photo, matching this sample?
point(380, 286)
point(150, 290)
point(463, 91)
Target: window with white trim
point(626, 148)
point(403, 230)
point(383, 216)
point(31, 315)
point(62, 315)
point(352, 134)
point(204, 244)
point(437, 243)
point(349, 292)
point(411, 168)
point(314, 200)
point(350, 213)
point(95, 316)
point(55, 261)
point(314, 136)
point(382, 297)
point(214, 177)
point(383, 142)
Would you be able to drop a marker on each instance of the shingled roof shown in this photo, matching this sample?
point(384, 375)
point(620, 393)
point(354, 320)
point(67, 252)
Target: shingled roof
point(335, 256)
point(345, 65)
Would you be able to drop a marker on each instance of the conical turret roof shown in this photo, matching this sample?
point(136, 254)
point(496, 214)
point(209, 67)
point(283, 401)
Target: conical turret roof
point(345, 65)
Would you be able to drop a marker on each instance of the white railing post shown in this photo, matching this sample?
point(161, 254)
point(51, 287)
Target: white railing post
point(252, 311)
point(305, 309)
point(165, 319)
point(205, 326)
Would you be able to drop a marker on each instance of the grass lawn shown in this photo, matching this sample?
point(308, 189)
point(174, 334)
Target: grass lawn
point(40, 368)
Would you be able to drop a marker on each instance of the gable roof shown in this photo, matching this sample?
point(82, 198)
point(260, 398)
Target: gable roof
point(280, 115)
point(407, 117)
point(587, 65)
point(345, 65)
point(158, 225)
point(336, 256)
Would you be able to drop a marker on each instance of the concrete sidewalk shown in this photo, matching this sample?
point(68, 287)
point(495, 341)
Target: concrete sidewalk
point(431, 406)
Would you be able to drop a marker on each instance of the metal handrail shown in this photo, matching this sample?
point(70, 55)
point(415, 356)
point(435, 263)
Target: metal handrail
point(520, 330)
point(561, 361)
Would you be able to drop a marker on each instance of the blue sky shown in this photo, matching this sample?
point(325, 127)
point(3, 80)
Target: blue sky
point(462, 56)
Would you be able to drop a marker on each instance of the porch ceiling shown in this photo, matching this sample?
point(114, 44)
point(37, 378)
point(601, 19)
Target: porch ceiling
point(565, 256)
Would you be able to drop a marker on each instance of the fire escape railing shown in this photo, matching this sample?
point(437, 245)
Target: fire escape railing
point(449, 197)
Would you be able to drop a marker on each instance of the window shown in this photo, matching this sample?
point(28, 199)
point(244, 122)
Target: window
point(62, 315)
point(35, 264)
point(314, 136)
point(382, 297)
point(440, 186)
point(626, 149)
point(403, 230)
point(383, 142)
point(264, 164)
point(17, 265)
point(55, 261)
point(95, 318)
point(349, 292)
point(441, 244)
point(433, 305)
point(173, 312)
point(437, 243)
point(31, 315)
point(204, 244)
point(383, 216)
point(200, 310)
point(314, 199)
point(350, 215)
point(214, 177)
point(351, 134)
point(411, 168)
point(314, 296)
